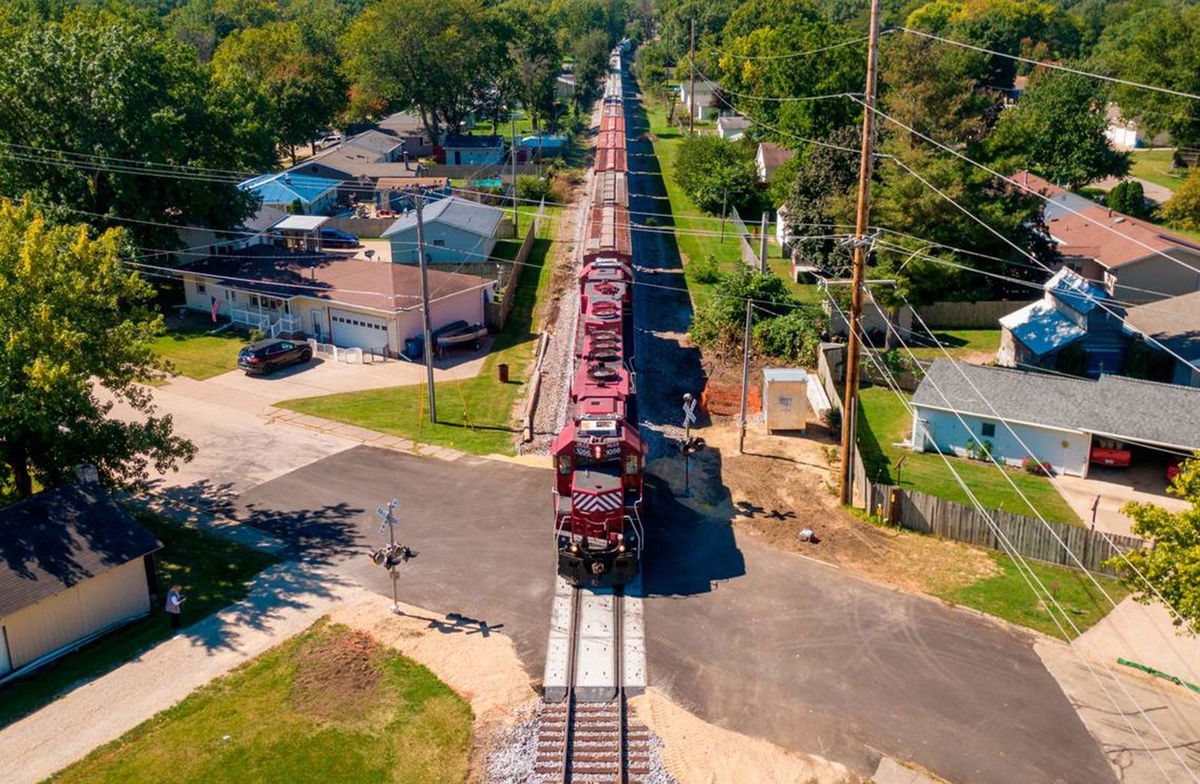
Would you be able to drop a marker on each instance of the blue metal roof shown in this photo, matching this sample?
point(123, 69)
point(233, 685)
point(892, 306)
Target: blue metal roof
point(286, 187)
point(1081, 294)
point(1041, 328)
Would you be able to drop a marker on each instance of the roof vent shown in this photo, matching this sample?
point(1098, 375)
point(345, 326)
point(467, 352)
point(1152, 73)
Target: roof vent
point(1119, 220)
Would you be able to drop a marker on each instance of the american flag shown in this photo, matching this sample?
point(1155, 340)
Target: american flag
point(216, 306)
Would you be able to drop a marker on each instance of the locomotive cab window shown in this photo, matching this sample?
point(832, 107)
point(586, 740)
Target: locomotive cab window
point(564, 464)
point(631, 464)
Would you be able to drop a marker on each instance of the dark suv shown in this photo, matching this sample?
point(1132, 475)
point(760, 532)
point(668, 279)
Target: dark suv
point(264, 356)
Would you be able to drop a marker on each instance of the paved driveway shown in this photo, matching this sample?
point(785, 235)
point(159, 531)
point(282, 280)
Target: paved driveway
point(755, 640)
point(1115, 487)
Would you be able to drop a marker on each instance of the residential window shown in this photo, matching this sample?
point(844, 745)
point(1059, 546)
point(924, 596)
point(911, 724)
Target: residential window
point(439, 243)
point(988, 430)
point(230, 296)
point(200, 287)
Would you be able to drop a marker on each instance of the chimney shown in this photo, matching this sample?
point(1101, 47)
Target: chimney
point(86, 474)
point(1110, 212)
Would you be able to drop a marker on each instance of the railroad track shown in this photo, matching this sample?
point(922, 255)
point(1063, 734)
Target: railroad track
point(585, 732)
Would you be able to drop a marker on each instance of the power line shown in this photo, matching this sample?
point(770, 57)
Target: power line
point(1055, 66)
point(791, 55)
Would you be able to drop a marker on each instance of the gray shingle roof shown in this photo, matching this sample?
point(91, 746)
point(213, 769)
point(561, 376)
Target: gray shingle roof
point(1174, 322)
point(60, 538)
point(375, 141)
point(465, 214)
point(1124, 408)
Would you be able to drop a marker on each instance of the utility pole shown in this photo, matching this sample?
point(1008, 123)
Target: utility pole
point(724, 210)
point(425, 308)
point(762, 245)
point(691, 102)
point(512, 124)
point(853, 349)
point(745, 375)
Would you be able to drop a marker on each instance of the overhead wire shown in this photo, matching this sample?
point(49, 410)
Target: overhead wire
point(791, 55)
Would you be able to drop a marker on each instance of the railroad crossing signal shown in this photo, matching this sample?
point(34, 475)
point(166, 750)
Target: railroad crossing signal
point(394, 553)
point(689, 410)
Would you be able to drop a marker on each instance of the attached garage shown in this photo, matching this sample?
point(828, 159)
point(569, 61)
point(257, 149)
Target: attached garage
point(73, 565)
point(357, 330)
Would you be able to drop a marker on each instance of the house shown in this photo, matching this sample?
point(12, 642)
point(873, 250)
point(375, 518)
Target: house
point(1058, 418)
point(769, 158)
point(704, 104)
point(732, 126)
point(1133, 259)
point(543, 146)
point(1073, 311)
point(410, 129)
point(1175, 324)
point(360, 162)
point(781, 229)
point(289, 192)
point(196, 242)
point(1014, 94)
point(481, 150)
point(1127, 134)
point(348, 301)
point(73, 565)
point(457, 230)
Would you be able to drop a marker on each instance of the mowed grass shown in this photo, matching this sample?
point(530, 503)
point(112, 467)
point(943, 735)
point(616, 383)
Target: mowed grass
point(326, 706)
point(885, 422)
point(474, 415)
point(961, 342)
point(697, 233)
point(214, 573)
point(1155, 166)
point(196, 354)
point(1010, 595)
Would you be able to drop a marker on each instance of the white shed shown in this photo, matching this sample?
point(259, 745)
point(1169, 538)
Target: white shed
point(785, 398)
point(73, 565)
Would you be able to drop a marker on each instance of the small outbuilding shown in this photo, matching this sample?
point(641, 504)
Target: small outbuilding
point(457, 231)
point(73, 565)
point(785, 399)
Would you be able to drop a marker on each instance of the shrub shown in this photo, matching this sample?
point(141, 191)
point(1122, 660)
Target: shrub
point(1036, 467)
point(719, 321)
point(1183, 209)
point(980, 450)
point(833, 419)
point(256, 335)
point(794, 337)
point(714, 171)
point(1127, 197)
point(706, 269)
point(532, 188)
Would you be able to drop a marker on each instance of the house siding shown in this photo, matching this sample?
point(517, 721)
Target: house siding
point(1067, 451)
point(460, 246)
point(107, 600)
point(474, 156)
point(1158, 274)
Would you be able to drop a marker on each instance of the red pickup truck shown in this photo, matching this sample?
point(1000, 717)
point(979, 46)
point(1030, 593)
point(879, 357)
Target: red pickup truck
point(1110, 453)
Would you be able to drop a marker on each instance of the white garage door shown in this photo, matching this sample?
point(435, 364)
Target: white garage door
point(357, 330)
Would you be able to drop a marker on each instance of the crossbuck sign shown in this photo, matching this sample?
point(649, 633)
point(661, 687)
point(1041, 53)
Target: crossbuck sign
point(689, 413)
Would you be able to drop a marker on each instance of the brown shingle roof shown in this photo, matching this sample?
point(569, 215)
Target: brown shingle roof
point(380, 285)
point(774, 155)
point(1087, 229)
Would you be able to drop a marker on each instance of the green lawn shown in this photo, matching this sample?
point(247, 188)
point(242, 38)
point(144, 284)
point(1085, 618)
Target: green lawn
point(1154, 165)
point(1009, 596)
point(886, 422)
point(214, 573)
point(195, 353)
point(329, 705)
point(688, 218)
point(960, 342)
point(474, 415)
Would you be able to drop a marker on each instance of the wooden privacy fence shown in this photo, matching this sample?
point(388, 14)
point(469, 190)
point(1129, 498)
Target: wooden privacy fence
point(968, 315)
point(496, 313)
point(1028, 536)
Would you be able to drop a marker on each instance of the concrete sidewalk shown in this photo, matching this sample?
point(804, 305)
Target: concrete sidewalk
point(283, 601)
point(1143, 634)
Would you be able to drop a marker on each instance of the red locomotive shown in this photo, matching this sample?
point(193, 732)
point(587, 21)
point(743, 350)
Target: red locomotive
point(598, 458)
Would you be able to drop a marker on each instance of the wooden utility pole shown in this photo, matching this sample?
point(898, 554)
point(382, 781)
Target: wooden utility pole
point(691, 101)
point(854, 348)
point(425, 308)
point(762, 245)
point(745, 374)
point(512, 124)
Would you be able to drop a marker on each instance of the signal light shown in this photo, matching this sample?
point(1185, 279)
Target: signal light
point(692, 446)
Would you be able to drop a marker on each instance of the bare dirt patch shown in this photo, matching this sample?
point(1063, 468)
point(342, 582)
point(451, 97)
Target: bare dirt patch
point(785, 483)
point(337, 677)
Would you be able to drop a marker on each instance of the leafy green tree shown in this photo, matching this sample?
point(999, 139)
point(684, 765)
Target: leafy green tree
point(115, 99)
point(590, 55)
point(437, 59)
point(1157, 44)
point(296, 93)
point(534, 57)
point(792, 337)
point(1128, 197)
point(718, 323)
point(203, 24)
point(940, 90)
point(1172, 563)
point(674, 18)
point(1183, 208)
point(1057, 129)
point(716, 173)
point(825, 176)
point(75, 334)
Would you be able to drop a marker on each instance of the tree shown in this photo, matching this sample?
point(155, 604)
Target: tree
point(590, 54)
point(1172, 564)
point(534, 58)
point(715, 173)
point(1128, 197)
point(74, 322)
point(203, 24)
point(1157, 44)
point(1183, 208)
point(116, 109)
point(825, 175)
point(719, 321)
point(295, 92)
point(940, 90)
point(437, 59)
point(1057, 129)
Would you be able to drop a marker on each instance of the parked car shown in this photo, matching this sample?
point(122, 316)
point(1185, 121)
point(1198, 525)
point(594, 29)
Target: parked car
point(1107, 452)
point(333, 138)
point(259, 359)
point(336, 238)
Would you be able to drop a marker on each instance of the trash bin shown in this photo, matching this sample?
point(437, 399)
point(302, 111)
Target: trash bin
point(414, 348)
point(502, 372)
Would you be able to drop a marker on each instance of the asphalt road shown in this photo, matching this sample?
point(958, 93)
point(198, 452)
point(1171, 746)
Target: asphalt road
point(756, 640)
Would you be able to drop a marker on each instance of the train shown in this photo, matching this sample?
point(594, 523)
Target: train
point(599, 456)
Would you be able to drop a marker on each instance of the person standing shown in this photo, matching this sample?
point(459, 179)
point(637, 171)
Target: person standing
point(174, 608)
